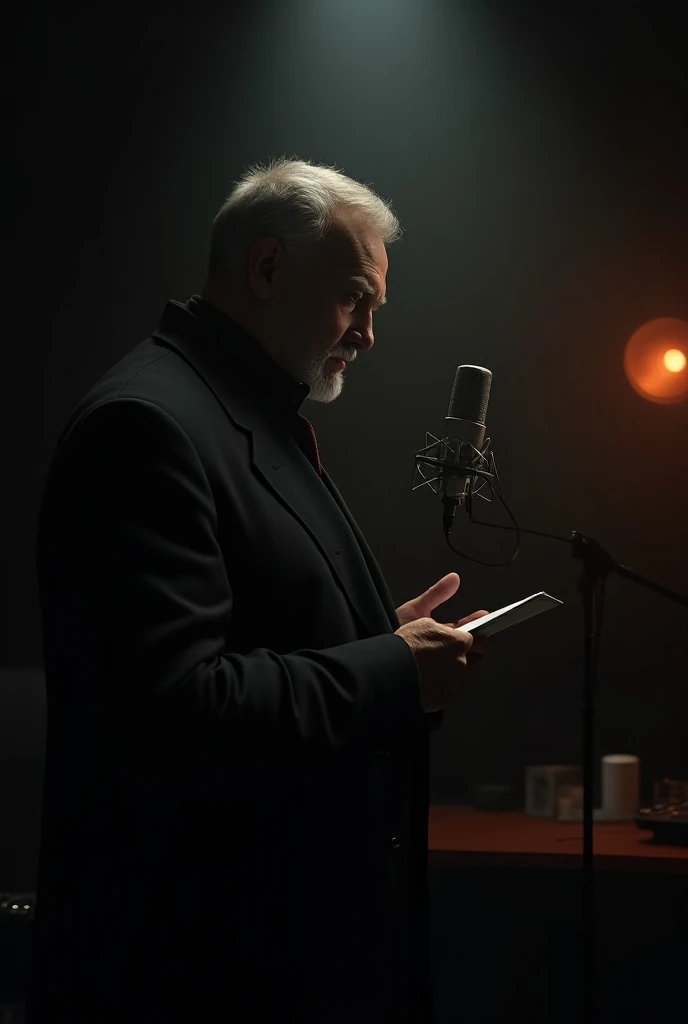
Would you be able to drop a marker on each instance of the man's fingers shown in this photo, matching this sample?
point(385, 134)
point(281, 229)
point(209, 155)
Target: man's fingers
point(466, 619)
point(470, 618)
point(481, 645)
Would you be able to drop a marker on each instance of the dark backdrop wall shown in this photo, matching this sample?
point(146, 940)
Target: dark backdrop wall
point(536, 155)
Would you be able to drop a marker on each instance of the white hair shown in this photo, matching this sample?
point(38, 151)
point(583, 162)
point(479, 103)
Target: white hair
point(294, 200)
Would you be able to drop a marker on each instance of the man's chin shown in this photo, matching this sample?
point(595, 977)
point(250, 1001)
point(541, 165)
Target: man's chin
point(328, 387)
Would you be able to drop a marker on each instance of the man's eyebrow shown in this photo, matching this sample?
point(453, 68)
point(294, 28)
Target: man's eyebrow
point(367, 287)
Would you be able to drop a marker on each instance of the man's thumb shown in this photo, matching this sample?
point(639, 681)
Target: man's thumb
point(439, 592)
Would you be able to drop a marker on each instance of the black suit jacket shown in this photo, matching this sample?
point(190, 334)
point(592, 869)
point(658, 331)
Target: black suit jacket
point(236, 783)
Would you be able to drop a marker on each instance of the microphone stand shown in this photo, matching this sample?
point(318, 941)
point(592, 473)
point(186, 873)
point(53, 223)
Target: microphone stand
point(597, 564)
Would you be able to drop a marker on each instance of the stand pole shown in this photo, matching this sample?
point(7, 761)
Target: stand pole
point(590, 587)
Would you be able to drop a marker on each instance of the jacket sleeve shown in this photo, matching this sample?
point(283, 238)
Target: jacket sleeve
point(132, 573)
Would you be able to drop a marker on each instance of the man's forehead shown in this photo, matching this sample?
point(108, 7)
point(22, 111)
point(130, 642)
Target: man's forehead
point(357, 241)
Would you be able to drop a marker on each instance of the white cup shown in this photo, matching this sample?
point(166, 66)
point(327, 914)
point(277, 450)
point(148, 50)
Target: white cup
point(620, 785)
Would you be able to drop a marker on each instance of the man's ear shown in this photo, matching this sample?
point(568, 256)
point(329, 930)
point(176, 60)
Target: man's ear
point(264, 257)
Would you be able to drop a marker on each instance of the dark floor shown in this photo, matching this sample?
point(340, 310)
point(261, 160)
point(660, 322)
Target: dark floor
point(506, 948)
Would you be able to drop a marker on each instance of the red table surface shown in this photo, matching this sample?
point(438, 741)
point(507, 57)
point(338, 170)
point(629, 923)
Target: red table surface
point(462, 835)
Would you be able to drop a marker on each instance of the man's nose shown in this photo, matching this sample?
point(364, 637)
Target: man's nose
point(365, 339)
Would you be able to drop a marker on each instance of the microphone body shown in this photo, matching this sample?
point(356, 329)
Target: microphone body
point(464, 436)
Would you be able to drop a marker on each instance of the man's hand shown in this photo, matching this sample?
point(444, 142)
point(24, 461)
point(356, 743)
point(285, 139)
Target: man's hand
point(423, 606)
point(444, 654)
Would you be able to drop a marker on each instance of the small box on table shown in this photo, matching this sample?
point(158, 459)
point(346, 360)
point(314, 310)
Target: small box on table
point(542, 785)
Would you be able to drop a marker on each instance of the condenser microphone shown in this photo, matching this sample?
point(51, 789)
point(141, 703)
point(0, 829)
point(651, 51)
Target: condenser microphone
point(465, 436)
point(461, 458)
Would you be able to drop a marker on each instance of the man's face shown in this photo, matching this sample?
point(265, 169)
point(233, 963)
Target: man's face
point(315, 312)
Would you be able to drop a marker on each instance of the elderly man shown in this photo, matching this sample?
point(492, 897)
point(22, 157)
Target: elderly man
point(236, 786)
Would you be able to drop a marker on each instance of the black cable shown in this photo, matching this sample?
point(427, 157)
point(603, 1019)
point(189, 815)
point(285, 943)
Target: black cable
point(469, 506)
point(499, 526)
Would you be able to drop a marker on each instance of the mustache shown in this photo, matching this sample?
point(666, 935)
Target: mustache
point(349, 354)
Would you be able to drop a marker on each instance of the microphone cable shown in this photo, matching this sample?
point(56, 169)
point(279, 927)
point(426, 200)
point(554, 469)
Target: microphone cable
point(447, 523)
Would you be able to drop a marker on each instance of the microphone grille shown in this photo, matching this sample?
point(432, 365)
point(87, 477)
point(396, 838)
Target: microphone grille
point(470, 394)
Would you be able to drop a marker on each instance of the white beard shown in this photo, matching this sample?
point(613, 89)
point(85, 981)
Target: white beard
point(325, 383)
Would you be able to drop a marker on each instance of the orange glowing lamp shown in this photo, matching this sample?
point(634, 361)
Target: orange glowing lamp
point(656, 360)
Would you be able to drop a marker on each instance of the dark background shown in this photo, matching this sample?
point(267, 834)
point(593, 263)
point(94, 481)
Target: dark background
point(536, 156)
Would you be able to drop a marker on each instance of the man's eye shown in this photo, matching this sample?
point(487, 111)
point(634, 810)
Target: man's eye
point(354, 296)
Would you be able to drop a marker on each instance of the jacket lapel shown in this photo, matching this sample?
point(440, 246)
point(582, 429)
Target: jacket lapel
point(370, 560)
point(285, 470)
